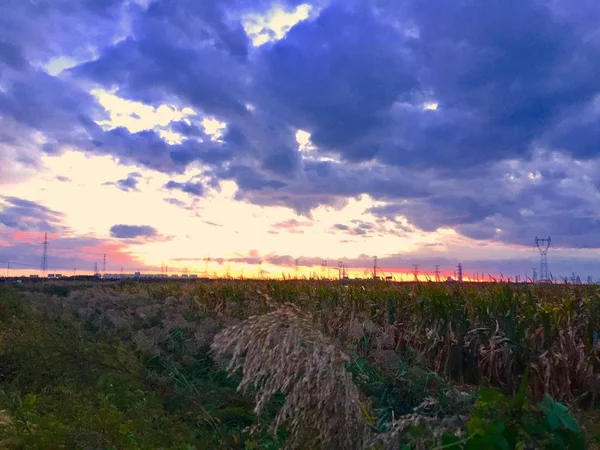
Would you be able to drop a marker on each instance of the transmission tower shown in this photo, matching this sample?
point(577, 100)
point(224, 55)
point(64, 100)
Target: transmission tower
point(374, 267)
point(324, 269)
point(543, 245)
point(44, 266)
point(534, 275)
point(104, 264)
point(459, 273)
point(416, 272)
point(437, 273)
point(341, 269)
point(96, 269)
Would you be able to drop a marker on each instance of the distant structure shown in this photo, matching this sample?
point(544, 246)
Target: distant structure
point(534, 275)
point(104, 264)
point(44, 265)
point(543, 244)
point(416, 272)
point(459, 273)
point(374, 267)
point(342, 270)
point(437, 273)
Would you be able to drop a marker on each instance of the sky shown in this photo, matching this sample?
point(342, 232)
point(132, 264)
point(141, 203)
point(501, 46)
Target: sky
point(253, 137)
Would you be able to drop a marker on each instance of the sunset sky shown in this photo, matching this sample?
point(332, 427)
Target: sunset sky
point(165, 132)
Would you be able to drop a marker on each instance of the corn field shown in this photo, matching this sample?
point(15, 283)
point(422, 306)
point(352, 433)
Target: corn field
point(468, 333)
point(416, 352)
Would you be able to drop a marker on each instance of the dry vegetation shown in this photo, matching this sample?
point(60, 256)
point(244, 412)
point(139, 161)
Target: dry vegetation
point(324, 365)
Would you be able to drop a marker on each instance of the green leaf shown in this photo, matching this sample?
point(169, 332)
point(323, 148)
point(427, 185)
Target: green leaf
point(489, 396)
point(450, 441)
point(552, 421)
point(519, 399)
point(557, 414)
point(476, 425)
point(500, 442)
point(569, 422)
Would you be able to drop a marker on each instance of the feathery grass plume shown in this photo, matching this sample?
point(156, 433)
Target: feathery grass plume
point(282, 351)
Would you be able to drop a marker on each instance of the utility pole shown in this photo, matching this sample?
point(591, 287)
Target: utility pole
point(375, 267)
point(8, 270)
point(44, 265)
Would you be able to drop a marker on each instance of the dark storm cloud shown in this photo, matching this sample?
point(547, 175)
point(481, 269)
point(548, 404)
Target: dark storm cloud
point(512, 203)
point(169, 39)
point(336, 76)
point(25, 215)
point(510, 79)
point(331, 183)
point(42, 29)
point(132, 231)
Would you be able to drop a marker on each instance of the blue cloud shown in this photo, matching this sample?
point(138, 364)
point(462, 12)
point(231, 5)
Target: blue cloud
point(25, 215)
point(189, 187)
point(132, 231)
point(515, 85)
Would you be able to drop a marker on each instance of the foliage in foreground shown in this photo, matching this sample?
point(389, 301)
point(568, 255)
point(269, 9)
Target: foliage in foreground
point(283, 352)
point(128, 365)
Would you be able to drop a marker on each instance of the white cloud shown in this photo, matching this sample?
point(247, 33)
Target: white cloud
point(275, 24)
point(137, 116)
point(213, 127)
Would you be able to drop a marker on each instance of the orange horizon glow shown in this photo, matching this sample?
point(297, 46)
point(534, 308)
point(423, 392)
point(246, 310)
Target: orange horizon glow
point(252, 271)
